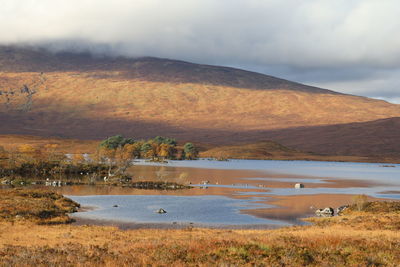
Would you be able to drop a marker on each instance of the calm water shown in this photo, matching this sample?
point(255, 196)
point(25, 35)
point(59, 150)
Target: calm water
point(242, 192)
point(206, 210)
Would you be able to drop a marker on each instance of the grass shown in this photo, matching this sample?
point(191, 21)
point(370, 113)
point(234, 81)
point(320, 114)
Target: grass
point(64, 145)
point(38, 206)
point(359, 238)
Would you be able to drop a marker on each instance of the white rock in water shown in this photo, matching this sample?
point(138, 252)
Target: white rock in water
point(298, 186)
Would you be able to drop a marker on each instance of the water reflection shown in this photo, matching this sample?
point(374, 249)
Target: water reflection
point(198, 210)
point(240, 191)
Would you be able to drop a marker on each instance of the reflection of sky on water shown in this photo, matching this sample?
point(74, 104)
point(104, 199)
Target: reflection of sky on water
point(291, 180)
point(385, 178)
point(197, 209)
point(223, 210)
point(349, 170)
point(372, 191)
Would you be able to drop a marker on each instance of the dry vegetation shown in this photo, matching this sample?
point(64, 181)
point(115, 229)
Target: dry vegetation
point(37, 206)
point(63, 145)
point(269, 150)
point(260, 150)
point(361, 238)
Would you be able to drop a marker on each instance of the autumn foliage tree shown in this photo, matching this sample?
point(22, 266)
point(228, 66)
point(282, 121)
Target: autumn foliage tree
point(124, 157)
point(117, 152)
point(190, 151)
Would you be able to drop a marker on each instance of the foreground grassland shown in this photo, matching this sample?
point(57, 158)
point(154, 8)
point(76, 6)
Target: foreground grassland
point(359, 238)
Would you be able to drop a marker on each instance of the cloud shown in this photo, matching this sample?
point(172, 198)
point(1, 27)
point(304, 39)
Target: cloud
point(324, 42)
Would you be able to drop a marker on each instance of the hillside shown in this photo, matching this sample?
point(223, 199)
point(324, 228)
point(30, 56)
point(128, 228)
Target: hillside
point(260, 150)
point(373, 138)
point(81, 96)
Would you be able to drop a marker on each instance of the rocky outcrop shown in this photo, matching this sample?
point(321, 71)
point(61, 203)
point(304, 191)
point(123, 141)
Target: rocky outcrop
point(326, 212)
point(340, 210)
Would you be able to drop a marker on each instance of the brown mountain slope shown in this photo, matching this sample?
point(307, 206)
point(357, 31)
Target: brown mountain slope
point(79, 96)
point(375, 138)
point(259, 150)
point(378, 140)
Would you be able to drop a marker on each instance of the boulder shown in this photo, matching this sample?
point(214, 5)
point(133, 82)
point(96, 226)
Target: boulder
point(327, 212)
point(161, 211)
point(298, 186)
point(341, 209)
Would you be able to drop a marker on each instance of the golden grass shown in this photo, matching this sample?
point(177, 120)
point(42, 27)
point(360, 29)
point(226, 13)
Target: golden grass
point(12, 142)
point(37, 206)
point(351, 240)
point(107, 246)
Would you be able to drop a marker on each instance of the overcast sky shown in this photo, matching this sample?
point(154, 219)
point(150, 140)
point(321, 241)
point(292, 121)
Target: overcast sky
point(351, 46)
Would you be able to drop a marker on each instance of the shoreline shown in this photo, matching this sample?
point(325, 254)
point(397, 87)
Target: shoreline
point(361, 160)
point(171, 226)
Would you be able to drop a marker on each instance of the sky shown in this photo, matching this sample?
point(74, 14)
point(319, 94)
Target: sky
point(350, 46)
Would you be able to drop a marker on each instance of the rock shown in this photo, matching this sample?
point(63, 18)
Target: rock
point(341, 209)
point(298, 186)
point(327, 212)
point(161, 211)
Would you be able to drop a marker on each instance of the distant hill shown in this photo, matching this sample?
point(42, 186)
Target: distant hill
point(259, 150)
point(77, 95)
point(373, 138)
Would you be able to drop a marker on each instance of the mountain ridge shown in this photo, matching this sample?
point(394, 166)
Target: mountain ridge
point(162, 97)
point(162, 69)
